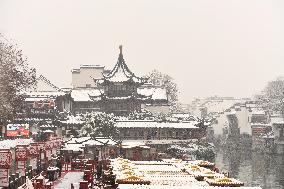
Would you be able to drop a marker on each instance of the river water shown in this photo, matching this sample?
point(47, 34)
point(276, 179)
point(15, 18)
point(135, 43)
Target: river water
point(254, 169)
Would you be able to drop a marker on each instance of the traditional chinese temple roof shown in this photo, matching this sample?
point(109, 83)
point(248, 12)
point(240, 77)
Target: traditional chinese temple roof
point(156, 93)
point(83, 95)
point(121, 72)
point(143, 93)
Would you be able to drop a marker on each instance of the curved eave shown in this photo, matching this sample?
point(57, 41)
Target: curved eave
point(106, 81)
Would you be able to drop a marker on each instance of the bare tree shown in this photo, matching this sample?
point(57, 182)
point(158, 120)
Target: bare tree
point(15, 77)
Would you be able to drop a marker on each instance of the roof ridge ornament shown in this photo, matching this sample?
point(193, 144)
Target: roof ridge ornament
point(120, 49)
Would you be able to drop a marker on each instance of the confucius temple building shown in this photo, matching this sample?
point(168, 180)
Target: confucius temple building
point(117, 91)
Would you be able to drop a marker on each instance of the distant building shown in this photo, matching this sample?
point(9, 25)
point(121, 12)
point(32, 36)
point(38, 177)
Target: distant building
point(85, 75)
point(258, 116)
point(44, 100)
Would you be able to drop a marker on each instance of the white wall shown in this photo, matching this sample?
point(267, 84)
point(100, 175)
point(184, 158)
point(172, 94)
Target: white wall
point(85, 76)
point(244, 125)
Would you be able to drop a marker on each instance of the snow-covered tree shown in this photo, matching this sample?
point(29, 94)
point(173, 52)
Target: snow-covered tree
point(272, 97)
point(15, 77)
point(100, 124)
point(144, 114)
point(166, 81)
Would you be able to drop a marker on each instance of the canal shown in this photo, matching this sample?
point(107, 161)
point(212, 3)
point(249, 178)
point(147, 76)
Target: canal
point(255, 169)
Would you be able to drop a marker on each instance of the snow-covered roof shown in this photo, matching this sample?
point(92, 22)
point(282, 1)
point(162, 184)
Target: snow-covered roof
point(279, 123)
point(34, 119)
point(163, 174)
point(99, 142)
point(121, 72)
point(232, 113)
point(268, 135)
point(157, 93)
point(83, 95)
point(7, 144)
point(89, 141)
point(33, 99)
point(181, 115)
point(73, 120)
point(78, 140)
point(48, 131)
point(258, 112)
point(138, 186)
point(73, 147)
point(151, 124)
point(44, 94)
point(47, 126)
point(259, 125)
point(133, 144)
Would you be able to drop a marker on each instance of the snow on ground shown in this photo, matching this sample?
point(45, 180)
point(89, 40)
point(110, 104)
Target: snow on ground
point(71, 177)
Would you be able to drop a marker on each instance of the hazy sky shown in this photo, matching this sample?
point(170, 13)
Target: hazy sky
point(210, 47)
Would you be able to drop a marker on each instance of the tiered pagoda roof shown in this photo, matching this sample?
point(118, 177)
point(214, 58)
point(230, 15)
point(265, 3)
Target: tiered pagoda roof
point(121, 72)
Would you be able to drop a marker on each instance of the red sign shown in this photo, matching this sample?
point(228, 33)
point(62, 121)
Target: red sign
point(17, 130)
point(21, 153)
point(5, 159)
point(48, 145)
point(41, 145)
point(4, 177)
point(49, 103)
point(34, 150)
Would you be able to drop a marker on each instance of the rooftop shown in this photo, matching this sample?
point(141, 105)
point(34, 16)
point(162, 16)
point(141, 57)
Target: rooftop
point(86, 66)
point(153, 124)
point(121, 72)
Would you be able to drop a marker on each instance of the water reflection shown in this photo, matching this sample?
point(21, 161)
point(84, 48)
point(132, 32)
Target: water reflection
point(255, 169)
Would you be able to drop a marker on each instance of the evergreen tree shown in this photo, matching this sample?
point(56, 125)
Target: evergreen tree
point(166, 81)
point(100, 124)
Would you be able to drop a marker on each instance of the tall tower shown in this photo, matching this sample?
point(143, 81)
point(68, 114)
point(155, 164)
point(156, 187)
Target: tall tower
point(120, 89)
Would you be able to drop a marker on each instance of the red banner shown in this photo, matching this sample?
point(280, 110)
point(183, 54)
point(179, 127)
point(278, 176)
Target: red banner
point(5, 159)
point(21, 153)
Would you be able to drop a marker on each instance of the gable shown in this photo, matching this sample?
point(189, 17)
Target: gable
point(44, 84)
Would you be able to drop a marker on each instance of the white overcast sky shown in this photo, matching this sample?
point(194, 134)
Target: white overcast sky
point(210, 47)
